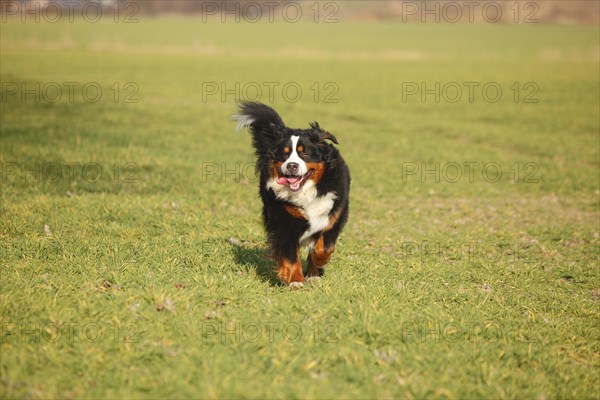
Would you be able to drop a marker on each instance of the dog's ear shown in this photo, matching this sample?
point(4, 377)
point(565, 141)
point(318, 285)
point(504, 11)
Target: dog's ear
point(329, 136)
point(319, 135)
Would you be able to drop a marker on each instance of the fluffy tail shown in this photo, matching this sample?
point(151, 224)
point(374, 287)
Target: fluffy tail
point(264, 123)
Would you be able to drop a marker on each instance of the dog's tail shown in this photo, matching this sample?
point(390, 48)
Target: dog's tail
point(264, 123)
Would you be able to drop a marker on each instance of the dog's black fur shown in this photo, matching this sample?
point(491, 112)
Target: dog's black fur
point(298, 208)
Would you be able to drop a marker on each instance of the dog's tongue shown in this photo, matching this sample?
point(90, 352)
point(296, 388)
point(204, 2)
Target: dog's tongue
point(292, 181)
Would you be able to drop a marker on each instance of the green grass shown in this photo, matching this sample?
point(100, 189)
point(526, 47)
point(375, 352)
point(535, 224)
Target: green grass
point(405, 309)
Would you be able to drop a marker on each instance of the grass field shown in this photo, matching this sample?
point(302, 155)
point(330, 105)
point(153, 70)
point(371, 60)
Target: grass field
point(133, 256)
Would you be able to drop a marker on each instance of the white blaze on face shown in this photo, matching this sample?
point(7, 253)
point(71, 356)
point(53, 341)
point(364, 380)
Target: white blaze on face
point(294, 157)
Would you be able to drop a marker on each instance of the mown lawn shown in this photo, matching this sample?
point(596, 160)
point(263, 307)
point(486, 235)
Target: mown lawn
point(133, 256)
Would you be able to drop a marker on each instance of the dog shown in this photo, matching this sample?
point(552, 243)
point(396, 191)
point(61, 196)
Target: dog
point(304, 187)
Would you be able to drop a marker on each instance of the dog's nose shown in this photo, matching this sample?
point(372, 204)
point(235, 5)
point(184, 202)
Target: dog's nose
point(293, 168)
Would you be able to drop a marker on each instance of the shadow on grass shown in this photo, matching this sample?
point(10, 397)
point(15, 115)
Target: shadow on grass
point(258, 259)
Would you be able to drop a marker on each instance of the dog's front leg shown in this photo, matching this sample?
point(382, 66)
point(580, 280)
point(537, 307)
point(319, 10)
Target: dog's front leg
point(289, 269)
point(318, 257)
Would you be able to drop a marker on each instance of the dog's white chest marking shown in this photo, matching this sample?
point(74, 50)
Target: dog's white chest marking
point(315, 208)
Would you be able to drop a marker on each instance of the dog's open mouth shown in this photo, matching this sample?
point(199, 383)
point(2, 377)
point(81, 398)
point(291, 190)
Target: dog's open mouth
point(295, 182)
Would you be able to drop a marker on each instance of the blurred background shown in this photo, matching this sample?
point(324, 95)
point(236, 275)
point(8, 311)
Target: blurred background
point(548, 11)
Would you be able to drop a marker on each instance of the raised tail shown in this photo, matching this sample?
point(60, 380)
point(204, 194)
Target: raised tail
point(264, 123)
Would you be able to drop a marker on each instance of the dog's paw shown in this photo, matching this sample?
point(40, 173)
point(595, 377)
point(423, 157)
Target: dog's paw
point(296, 285)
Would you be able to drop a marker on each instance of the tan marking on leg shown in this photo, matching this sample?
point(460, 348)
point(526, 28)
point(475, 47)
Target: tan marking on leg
point(290, 272)
point(333, 218)
point(318, 257)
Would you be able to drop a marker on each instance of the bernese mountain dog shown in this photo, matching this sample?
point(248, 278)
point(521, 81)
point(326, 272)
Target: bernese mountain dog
point(304, 187)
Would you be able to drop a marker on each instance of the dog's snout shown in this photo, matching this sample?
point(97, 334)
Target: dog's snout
point(292, 168)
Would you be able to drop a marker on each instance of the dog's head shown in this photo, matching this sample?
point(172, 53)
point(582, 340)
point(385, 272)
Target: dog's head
point(301, 155)
point(292, 157)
